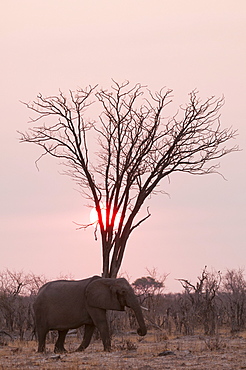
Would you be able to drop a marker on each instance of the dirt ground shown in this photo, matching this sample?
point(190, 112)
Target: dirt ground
point(154, 351)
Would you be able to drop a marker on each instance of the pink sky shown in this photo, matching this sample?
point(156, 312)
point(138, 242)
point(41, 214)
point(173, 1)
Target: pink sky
point(47, 45)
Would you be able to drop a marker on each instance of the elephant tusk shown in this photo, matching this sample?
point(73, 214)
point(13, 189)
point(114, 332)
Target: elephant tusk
point(144, 308)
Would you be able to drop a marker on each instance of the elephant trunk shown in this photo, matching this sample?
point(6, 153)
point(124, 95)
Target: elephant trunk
point(133, 304)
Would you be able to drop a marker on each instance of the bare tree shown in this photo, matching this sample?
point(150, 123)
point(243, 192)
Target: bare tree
point(202, 298)
point(234, 293)
point(136, 149)
point(13, 283)
point(17, 291)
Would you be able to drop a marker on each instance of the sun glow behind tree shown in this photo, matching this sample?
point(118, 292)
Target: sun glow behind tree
point(94, 216)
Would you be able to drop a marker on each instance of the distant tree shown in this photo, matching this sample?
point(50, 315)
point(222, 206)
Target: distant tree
point(17, 291)
point(149, 290)
point(202, 299)
point(148, 286)
point(234, 294)
point(136, 148)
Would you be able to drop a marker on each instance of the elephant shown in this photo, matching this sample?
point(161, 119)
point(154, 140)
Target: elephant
point(68, 304)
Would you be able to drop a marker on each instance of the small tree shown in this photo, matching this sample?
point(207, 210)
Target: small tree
point(149, 289)
point(149, 286)
point(234, 292)
point(202, 299)
point(137, 148)
point(17, 291)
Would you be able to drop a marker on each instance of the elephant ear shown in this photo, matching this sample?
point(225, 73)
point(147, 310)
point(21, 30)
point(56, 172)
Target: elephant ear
point(102, 293)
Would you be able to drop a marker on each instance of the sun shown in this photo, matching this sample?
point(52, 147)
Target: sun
point(94, 216)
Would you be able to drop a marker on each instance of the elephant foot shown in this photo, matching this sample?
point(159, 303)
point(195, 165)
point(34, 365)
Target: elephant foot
point(80, 349)
point(41, 351)
point(60, 350)
point(107, 349)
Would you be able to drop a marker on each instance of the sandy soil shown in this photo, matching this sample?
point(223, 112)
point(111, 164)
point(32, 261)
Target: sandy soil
point(132, 352)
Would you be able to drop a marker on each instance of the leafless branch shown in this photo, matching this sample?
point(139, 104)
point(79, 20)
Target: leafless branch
point(135, 149)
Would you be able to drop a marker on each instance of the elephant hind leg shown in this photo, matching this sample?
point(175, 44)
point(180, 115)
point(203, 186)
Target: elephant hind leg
point(89, 330)
point(59, 346)
point(41, 334)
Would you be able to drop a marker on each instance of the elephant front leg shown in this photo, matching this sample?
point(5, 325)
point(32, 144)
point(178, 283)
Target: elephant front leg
point(89, 330)
point(104, 332)
point(100, 320)
point(59, 346)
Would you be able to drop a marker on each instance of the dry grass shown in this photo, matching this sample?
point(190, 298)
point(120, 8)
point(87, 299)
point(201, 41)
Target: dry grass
point(133, 352)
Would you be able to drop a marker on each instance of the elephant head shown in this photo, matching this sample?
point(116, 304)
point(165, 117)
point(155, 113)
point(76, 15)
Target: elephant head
point(114, 294)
